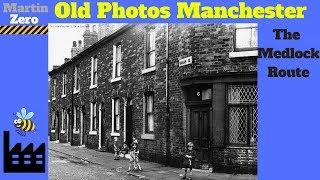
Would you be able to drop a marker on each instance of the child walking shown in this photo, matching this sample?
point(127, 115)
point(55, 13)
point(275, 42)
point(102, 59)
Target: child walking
point(188, 160)
point(134, 156)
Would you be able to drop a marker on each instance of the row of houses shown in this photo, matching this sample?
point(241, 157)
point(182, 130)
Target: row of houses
point(166, 85)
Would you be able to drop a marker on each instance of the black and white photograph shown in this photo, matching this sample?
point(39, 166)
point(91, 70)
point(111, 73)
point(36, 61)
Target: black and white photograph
point(153, 101)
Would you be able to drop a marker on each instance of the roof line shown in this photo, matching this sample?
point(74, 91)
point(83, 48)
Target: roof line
point(92, 47)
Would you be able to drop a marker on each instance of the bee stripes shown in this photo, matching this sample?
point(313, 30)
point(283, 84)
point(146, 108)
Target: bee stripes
point(24, 30)
point(28, 125)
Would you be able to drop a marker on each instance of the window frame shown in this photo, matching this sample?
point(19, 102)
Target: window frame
point(117, 60)
point(54, 89)
point(146, 113)
point(148, 49)
point(76, 119)
point(63, 120)
point(245, 26)
point(76, 87)
point(64, 84)
point(53, 121)
point(116, 116)
point(93, 118)
point(94, 72)
point(249, 107)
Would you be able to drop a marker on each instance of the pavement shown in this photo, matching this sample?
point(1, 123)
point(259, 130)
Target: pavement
point(65, 167)
point(103, 166)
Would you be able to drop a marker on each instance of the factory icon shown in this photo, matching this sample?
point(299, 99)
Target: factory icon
point(27, 160)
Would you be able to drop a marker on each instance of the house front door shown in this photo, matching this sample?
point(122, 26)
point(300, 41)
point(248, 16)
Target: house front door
point(200, 135)
point(129, 124)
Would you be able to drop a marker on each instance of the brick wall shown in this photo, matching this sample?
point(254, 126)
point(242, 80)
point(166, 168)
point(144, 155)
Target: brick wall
point(232, 160)
point(208, 44)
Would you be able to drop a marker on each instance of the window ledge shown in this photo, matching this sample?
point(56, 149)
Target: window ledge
point(147, 136)
point(115, 134)
point(241, 147)
point(151, 69)
point(76, 91)
point(63, 96)
point(75, 131)
point(115, 79)
point(93, 132)
point(243, 54)
point(62, 131)
point(53, 130)
point(93, 86)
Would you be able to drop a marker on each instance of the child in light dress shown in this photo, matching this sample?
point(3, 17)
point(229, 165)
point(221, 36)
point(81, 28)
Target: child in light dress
point(134, 156)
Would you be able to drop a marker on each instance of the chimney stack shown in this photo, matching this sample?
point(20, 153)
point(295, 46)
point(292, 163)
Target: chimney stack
point(55, 67)
point(87, 28)
point(108, 29)
point(80, 43)
point(89, 37)
point(94, 29)
point(66, 60)
point(76, 49)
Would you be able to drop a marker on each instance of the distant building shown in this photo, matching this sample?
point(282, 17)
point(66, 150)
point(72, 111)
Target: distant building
point(198, 85)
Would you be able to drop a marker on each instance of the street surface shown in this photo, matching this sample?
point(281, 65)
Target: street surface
point(68, 162)
point(64, 167)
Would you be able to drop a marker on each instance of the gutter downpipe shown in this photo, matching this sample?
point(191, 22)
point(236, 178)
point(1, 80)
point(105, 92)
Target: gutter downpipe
point(72, 109)
point(168, 121)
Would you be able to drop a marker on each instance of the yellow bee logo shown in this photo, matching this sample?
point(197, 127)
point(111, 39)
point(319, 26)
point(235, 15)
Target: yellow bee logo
point(24, 123)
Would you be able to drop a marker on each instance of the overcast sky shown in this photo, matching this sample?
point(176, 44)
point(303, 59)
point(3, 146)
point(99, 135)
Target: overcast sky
point(60, 41)
point(61, 37)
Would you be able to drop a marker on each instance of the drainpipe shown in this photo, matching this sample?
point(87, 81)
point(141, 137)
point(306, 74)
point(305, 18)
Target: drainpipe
point(72, 108)
point(168, 124)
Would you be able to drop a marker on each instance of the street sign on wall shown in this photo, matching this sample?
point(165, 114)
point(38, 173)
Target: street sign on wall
point(185, 61)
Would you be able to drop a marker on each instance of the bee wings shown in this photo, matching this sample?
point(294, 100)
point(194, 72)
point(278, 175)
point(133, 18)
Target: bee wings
point(19, 115)
point(29, 115)
point(24, 114)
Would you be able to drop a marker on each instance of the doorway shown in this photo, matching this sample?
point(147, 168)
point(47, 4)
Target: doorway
point(69, 130)
point(58, 125)
point(82, 132)
point(102, 137)
point(129, 123)
point(200, 135)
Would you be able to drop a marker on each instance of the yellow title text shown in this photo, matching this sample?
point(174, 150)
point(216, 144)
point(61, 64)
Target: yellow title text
point(184, 10)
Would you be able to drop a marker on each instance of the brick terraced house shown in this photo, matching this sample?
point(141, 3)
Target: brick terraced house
point(166, 85)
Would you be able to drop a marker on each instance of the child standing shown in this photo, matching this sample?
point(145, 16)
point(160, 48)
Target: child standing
point(188, 160)
point(134, 156)
point(116, 148)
